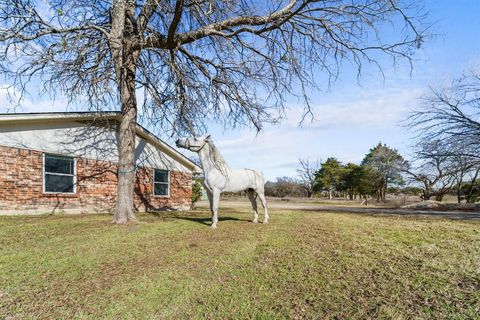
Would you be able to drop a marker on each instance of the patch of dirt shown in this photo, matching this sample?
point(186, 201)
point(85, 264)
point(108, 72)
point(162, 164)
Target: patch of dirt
point(441, 206)
point(429, 204)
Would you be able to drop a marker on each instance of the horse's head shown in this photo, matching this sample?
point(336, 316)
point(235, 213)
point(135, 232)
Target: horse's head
point(194, 144)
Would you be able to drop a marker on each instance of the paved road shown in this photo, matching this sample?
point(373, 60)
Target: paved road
point(457, 215)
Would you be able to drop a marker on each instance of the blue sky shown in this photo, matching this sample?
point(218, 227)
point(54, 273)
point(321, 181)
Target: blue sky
point(350, 117)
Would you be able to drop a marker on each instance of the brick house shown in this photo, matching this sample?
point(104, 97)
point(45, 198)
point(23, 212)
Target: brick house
point(67, 162)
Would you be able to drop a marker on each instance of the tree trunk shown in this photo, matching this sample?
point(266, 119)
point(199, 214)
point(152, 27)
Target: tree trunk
point(329, 194)
point(459, 193)
point(469, 194)
point(427, 192)
point(125, 68)
point(126, 147)
point(426, 196)
point(126, 163)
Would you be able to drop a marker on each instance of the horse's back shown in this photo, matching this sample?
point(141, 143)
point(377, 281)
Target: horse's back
point(244, 179)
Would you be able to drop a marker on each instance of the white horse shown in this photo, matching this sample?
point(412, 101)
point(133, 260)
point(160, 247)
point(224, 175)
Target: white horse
point(218, 177)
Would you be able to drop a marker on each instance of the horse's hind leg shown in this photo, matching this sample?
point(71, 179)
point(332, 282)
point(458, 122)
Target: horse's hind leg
point(253, 200)
point(264, 204)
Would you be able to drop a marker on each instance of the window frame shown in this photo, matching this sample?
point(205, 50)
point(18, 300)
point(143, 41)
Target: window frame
point(167, 183)
point(74, 175)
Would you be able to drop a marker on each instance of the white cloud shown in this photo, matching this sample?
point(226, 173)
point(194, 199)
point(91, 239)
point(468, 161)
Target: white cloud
point(12, 101)
point(366, 107)
point(345, 127)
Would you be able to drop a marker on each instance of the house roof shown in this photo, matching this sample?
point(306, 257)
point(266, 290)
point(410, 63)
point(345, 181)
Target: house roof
point(106, 115)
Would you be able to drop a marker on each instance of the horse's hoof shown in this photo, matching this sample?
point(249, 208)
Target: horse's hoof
point(255, 221)
point(265, 222)
point(213, 226)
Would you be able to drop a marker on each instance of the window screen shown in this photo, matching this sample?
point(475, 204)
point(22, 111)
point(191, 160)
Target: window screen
point(59, 174)
point(161, 183)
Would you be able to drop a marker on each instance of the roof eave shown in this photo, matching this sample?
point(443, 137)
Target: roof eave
point(109, 115)
point(150, 137)
point(52, 116)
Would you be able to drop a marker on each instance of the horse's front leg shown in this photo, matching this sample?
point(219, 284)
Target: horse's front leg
point(215, 201)
point(210, 199)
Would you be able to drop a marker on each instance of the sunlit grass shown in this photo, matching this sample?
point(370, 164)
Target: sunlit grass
point(301, 265)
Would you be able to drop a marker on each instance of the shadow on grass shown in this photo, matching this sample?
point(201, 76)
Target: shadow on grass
point(165, 215)
point(207, 221)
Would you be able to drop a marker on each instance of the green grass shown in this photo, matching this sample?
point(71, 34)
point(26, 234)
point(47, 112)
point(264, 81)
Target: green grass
point(301, 265)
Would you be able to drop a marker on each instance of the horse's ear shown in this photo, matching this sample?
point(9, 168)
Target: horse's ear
point(208, 137)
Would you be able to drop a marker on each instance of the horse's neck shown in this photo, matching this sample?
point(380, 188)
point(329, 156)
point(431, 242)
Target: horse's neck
point(207, 162)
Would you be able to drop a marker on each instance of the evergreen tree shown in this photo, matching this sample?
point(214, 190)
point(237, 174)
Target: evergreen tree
point(384, 166)
point(329, 177)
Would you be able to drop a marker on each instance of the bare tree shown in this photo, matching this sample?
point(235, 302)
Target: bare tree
point(433, 170)
point(468, 188)
point(306, 173)
point(466, 174)
point(451, 115)
point(441, 171)
point(447, 124)
point(195, 60)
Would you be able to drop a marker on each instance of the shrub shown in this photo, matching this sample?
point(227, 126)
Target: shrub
point(196, 191)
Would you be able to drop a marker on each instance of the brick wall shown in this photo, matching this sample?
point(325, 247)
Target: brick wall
point(21, 188)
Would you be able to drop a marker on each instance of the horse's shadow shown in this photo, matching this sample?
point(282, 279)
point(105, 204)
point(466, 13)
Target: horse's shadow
point(208, 221)
point(201, 220)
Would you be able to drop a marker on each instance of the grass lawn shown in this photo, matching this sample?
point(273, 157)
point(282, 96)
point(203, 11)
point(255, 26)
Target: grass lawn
point(301, 265)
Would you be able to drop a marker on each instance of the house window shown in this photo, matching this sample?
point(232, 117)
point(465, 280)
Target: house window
point(161, 183)
point(59, 174)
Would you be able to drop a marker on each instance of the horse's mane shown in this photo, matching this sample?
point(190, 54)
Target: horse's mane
point(216, 157)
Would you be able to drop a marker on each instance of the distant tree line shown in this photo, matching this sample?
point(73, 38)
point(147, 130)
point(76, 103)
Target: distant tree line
point(382, 167)
point(285, 187)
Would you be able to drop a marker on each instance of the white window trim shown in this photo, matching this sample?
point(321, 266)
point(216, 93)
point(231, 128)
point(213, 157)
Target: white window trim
point(59, 174)
point(167, 183)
